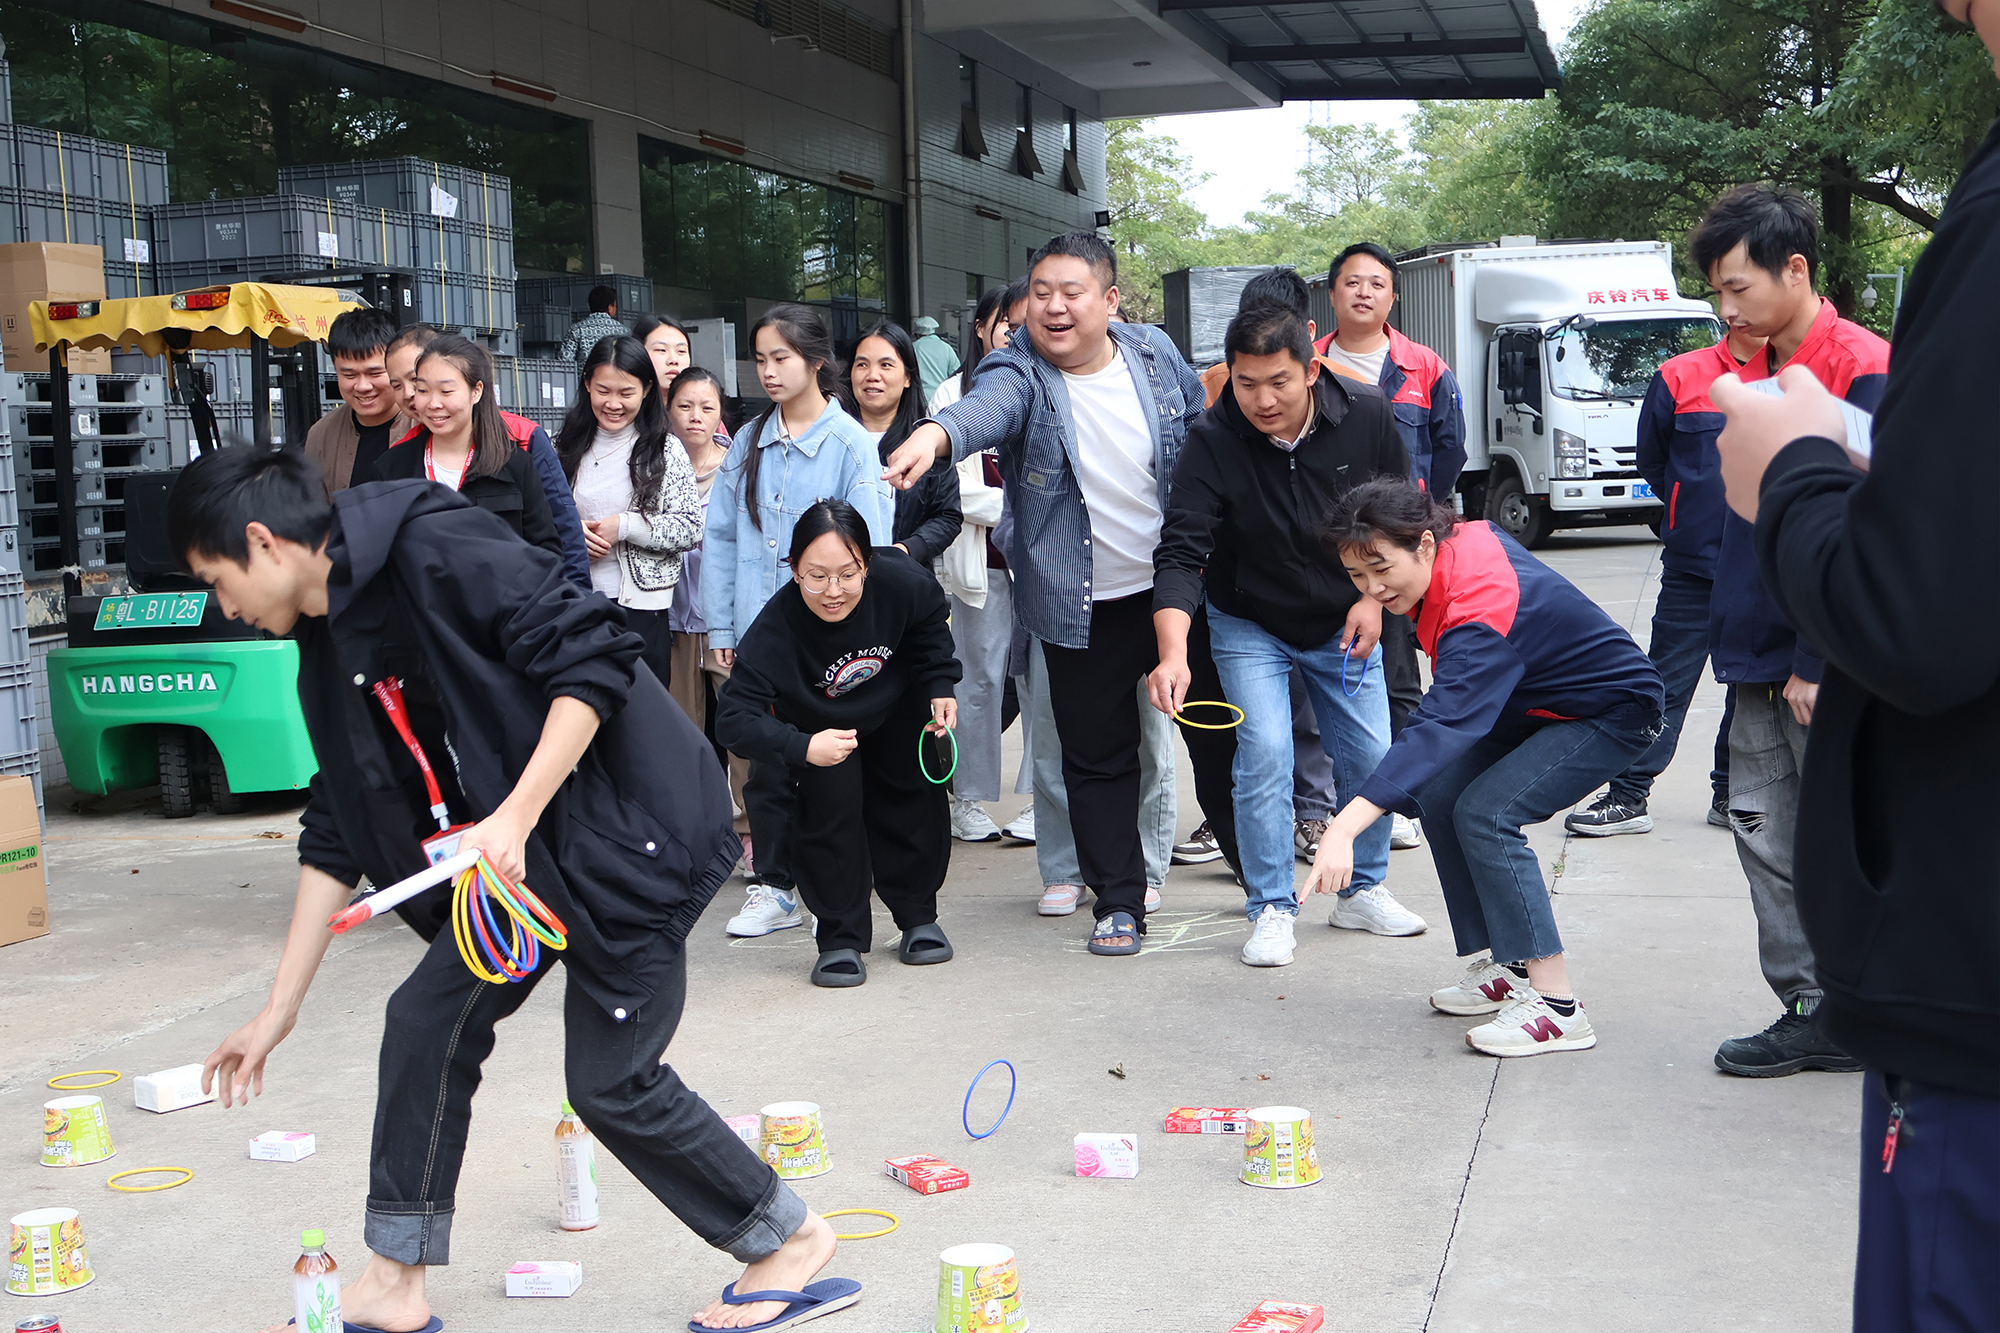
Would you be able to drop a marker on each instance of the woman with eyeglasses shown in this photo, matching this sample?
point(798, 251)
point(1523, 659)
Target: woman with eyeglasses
point(845, 678)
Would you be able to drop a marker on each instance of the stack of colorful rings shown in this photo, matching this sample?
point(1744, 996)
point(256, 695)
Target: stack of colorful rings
point(476, 928)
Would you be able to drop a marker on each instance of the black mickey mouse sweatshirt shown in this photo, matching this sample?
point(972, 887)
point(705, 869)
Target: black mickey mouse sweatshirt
point(796, 674)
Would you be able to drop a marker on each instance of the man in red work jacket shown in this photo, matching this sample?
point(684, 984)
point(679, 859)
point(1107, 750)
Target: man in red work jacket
point(1423, 395)
point(1759, 246)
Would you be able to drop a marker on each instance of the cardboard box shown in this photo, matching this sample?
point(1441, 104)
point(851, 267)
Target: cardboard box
point(1108, 1156)
point(24, 888)
point(279, 1146)
point(1208, 1120)
point(927, 1174)
point(1281, 1317)
point(170, 1090)
point(545, 1277)
point(45, 269)
point(749, 1128)
point(17, 339)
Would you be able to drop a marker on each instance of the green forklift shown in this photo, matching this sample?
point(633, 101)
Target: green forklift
point(158, 685)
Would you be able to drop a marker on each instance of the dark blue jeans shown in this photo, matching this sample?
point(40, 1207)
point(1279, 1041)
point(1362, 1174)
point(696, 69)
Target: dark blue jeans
point(1680, 650)
point(1925, 1259)
point(1474, 811)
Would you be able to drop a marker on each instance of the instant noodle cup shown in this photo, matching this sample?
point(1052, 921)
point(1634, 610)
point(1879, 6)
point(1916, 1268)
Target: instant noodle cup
point(75, 1132)
point(792, 1140)
point(1278, 1149)
point(979, 1291)
point(45, 1253)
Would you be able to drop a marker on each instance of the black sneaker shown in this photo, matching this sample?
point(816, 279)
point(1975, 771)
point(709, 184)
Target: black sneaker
point(1608, 815)
point(1199, 849)
point(1718, 813)
point(1790, 1045)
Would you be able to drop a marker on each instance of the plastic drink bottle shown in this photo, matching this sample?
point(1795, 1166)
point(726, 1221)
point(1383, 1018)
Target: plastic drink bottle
point(315, 1290)
point(576, 1169)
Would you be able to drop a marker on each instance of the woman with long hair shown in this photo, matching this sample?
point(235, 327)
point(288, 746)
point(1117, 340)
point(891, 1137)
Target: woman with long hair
point(843, 674)
point(1537, 698)
point(882, 383)
point(694, 420)
point(802, 449)
point(461, 442)
point(635, 491)
point(989, 333)
point(667, 342)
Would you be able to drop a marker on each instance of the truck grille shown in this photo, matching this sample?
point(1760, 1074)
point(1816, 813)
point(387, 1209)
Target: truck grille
point(1609, 462)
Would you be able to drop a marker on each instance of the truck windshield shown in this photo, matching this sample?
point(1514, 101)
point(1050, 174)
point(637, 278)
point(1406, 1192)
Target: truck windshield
point(1617, 358)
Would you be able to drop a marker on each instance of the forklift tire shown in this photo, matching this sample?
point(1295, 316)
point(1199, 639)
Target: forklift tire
point(178, 762)
point(221, 799)
point(1510, 508)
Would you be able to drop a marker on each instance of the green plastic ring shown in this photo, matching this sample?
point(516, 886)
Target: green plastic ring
point(924, 769)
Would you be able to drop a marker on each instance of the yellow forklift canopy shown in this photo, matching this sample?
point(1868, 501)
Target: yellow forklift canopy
point(209, 319)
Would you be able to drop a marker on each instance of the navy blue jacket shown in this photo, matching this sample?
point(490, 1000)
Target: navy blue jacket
point(1676, 456)
point(1749, 639)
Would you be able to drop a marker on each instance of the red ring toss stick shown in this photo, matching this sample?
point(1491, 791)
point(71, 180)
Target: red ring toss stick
point(365, 909)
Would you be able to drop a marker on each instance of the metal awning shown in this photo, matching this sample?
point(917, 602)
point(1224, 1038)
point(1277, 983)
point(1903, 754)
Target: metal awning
point(1157, 57)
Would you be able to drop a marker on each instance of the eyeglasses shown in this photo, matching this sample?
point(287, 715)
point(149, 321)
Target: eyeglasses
point(851, 579)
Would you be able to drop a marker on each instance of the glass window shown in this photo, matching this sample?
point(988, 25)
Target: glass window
point(1025, 161)
point(968, 83)
point(971, 141)
point(1606, 359)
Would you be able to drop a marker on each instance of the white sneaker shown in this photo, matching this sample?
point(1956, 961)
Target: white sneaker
point(1527, 1026)
point(971, 823)
point(1270, 942)
point(1405, 833)
point(1021, 828)
point(1485, 988)
point(1059, 900)
point(1152, 897)
point(1375, 910)
point(768, 908)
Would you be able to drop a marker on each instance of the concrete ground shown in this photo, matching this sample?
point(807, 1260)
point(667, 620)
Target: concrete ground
point(1630, 1188)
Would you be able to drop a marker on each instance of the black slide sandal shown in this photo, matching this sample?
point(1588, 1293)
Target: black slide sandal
point(939, 950)
point(839, 967)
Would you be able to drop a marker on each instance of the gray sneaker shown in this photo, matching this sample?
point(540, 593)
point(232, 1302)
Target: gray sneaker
point(1608, 816)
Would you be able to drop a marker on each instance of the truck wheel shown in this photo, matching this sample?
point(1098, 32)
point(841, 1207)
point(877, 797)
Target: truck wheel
point(221, 799)
point(1522, 516)
point(177, 772)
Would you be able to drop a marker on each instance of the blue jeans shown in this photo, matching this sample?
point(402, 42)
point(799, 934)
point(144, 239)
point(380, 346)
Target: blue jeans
point(1256, 670)
point(1679, 649)
point(1475, 808)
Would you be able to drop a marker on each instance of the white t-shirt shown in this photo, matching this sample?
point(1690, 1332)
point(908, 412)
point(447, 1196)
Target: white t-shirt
point(1121, 493)
point(603, 487)
point(1366, 364)
point(443, 472)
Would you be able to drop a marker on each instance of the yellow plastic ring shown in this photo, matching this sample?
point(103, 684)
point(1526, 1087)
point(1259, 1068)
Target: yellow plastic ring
point(1185, 721)
point(186, 1176)
point(894, 1222)
point(61, 1082)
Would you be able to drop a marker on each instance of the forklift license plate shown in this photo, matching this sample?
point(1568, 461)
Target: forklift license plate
point(151, 610)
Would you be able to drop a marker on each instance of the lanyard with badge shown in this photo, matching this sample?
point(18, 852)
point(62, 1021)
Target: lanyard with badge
point(475, 928)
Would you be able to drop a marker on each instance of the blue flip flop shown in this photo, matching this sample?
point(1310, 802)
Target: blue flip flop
point(822, 1297)
point(435, 1326)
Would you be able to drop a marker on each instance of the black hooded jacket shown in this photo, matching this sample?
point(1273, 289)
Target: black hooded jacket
point(1244, 517)
point(486, 631)
point(1885, 573)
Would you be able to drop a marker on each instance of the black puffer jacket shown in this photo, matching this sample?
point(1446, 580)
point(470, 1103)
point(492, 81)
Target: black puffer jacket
point(430, 587)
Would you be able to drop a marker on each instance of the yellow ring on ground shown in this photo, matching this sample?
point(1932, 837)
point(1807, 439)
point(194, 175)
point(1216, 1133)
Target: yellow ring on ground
point(61, 1082)
point(186, 1176)
point(1185, 721)
point(894, 1222)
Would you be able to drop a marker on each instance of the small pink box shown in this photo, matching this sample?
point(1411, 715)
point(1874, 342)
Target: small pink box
point(1108, 1156)
point(546, 1278)
point(279, 1146)
point(749, 1128)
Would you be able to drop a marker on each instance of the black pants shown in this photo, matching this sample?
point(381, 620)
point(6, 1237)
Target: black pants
point(1093, 694)
point(439, 1031)
point(1925, 1260)
point(659, 651)
point(1211, 753)
point(770, 801)
point(873, 819)
point(1399, 670)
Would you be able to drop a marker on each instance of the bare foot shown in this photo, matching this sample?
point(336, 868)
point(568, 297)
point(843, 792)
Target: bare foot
point(810, 1249)
point(388, 1296)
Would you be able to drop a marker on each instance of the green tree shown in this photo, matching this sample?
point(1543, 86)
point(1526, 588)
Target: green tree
point(1154, 227)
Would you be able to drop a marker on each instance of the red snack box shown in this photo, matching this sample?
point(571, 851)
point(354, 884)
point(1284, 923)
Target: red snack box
point(1208, 1120)
point(927, 1174)
point(1281, 1317)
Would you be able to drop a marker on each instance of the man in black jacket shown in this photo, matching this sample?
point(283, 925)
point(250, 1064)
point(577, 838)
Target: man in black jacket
point(1879, 563)
point(448, 672)
point(1255, 481)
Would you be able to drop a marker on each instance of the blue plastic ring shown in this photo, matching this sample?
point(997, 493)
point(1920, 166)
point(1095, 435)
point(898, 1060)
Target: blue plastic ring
point(526, 961)
point(965, 1112)
point(1359, 681)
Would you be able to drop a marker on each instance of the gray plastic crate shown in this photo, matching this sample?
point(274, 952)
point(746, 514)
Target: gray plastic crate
point(407, 183)
point(87, 168)
point(462, 247)
point(6, 94)
point(271, 232)
point(635, 294)
point(41, 215)
point(28, 765)
point(543, 323)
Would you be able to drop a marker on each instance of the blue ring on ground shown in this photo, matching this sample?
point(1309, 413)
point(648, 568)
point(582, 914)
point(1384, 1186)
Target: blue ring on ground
point(1013, 1086)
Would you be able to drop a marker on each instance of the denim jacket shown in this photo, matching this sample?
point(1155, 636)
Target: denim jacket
point(834, 458)
point(1019, 405)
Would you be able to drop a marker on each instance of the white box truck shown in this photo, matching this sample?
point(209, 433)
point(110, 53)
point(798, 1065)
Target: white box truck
point(1553, 344)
